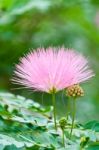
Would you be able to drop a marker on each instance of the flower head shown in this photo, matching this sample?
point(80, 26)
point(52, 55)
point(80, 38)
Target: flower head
point(52, 69)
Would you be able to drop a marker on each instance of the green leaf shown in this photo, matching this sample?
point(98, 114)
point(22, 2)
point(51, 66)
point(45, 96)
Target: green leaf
point(93, 125)
point(12, 147)
point(94, 146)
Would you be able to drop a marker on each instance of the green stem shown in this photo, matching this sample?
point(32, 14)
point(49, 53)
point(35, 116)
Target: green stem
point(63, 137)
point(73, 116)
point(54, 109)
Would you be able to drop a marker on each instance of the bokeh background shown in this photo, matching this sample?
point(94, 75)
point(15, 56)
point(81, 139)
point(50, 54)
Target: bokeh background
point(27, 24)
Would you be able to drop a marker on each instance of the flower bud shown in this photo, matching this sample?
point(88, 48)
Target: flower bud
point(75, 91)
point(63, 122)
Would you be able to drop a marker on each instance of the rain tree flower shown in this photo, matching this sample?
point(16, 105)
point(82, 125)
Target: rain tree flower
point(51, 70)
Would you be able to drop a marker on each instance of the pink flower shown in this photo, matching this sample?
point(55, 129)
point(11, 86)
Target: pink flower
point(52, 69)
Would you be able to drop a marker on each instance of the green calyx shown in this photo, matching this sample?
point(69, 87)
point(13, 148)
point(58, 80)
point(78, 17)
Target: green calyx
point(52, 90)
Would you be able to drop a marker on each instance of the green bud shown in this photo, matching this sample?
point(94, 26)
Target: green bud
point(63, 122)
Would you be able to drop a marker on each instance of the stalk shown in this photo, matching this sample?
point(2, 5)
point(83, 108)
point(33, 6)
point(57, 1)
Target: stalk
point(62, 123)
point(73, 116)
point(54, 109)
point(63, 137)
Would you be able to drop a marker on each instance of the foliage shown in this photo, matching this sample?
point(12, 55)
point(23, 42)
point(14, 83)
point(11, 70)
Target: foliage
point(26, 125)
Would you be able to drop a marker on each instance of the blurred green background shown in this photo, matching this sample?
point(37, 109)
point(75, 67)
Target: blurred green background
point(26, 24)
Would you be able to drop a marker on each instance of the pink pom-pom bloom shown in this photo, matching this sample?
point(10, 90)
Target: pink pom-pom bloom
point(52, 69)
